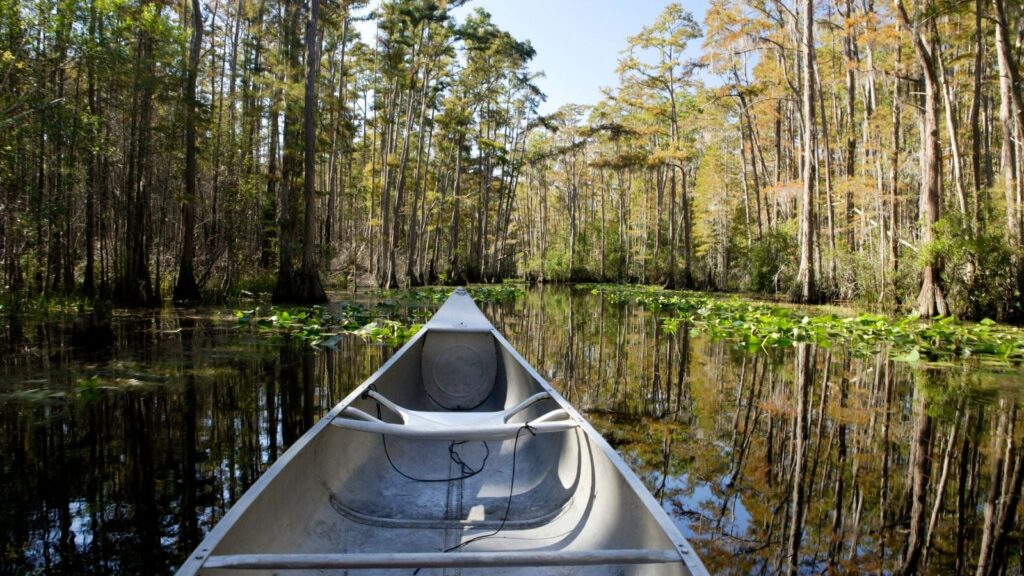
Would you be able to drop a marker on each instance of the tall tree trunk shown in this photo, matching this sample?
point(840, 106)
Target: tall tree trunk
point(687, 226)
point(308, 288)
point(1011, 121)
point(291, 167)
point(948, 104)
point(412, 242)
point(186, 289)
point(806, 290)
point(134, 285)
point(271, 203)
point(974, 117)
point(850, 53)
point(454, 264)
point(894, 191)
point(931, 301)
point(93, 172)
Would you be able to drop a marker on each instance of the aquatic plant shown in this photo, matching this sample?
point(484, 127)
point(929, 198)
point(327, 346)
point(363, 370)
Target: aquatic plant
point(764, 325)
point(324, 328)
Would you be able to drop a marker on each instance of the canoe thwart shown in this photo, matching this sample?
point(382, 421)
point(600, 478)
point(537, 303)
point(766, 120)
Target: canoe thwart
point(453, 425)
point(441, 559)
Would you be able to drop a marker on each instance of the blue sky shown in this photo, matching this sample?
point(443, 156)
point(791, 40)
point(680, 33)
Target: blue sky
point(577, 41)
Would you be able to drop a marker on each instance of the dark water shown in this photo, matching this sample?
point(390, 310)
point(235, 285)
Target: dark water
point(121, 462)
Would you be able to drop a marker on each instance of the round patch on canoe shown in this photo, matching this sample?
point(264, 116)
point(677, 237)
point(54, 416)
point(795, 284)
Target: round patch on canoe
point(459, 369)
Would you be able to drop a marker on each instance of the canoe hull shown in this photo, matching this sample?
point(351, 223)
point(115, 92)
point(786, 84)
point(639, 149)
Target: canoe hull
point(342, 499)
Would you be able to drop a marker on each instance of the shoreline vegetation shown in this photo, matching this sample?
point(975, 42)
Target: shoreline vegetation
point(758, 324)
point(744, 320)
point(749, 323)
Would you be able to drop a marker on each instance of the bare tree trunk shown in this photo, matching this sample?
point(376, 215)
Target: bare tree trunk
point(93, 172)
point(976, 138)
point(894, 176)
point(455, 266)
point(931, 301)
point(830, 212)
point(291, 170)
point(135, 286)
point(411, 240)
point(1011, 121)
point(270, 205)
point(806, 290)
point(951, 132)
point(687, 226)
point(186, 289)
point(307, 283)
point(850, 52)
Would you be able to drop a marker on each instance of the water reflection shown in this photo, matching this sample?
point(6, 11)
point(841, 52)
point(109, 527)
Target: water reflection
point(809, 460)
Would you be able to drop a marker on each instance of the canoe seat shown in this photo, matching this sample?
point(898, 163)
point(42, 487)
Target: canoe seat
point(453, 425)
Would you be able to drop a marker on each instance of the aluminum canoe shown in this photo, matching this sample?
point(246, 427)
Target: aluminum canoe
point(455, 457)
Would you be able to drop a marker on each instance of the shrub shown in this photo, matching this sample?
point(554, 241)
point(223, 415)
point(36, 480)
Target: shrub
point(978, 271)
point(773, 262)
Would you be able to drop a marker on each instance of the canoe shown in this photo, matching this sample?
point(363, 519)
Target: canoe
point(455, 457)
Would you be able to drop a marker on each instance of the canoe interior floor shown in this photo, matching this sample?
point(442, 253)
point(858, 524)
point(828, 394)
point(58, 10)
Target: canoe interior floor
point(550, 511)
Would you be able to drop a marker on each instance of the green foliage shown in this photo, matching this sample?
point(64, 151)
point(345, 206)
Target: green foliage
point(772, 260)
point(976, 265)
point(325, 329)
point(490, 294)
point(761, 325)
point(41, 305)
point(258, 285)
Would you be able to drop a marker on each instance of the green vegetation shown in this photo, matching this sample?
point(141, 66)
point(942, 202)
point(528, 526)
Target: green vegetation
point(764, 325)
point(507, 292)
point(325, 329)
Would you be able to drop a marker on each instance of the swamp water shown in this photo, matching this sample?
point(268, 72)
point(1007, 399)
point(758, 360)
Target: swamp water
point(120, 462)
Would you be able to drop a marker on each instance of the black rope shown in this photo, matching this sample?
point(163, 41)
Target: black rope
point(467, 470)
point(511, 488)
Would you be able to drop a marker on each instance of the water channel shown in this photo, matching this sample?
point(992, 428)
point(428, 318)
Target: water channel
point(118, 462)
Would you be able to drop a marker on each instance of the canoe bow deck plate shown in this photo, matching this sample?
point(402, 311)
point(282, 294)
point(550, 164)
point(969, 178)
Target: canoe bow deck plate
point(458, 369)
point(455, 457)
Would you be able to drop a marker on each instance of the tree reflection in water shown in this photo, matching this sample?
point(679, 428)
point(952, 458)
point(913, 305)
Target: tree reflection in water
point(804, 460)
